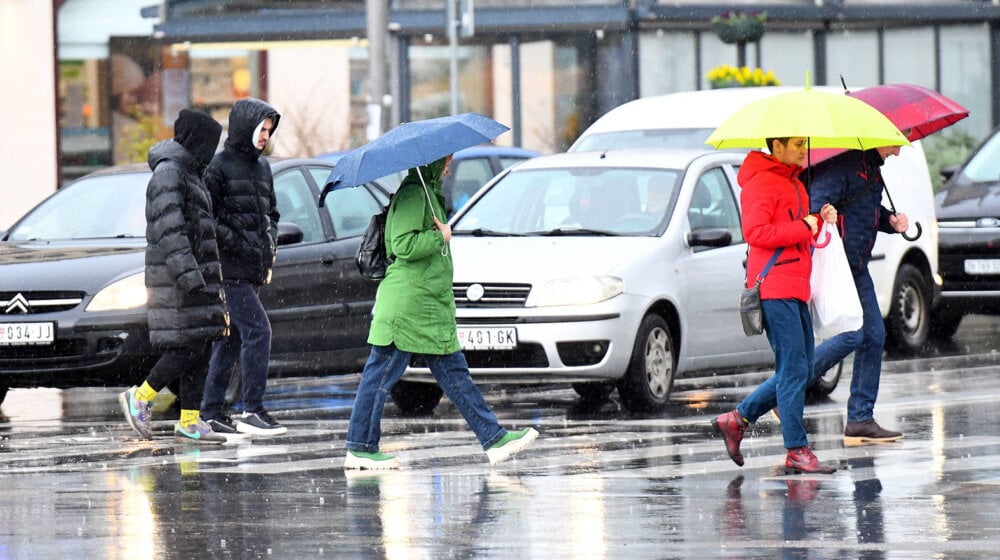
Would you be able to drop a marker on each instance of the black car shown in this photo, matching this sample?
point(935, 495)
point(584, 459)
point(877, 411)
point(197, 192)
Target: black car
point(72, 293)
point(968, 214)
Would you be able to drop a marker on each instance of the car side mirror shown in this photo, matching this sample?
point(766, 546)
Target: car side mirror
point(289, 233)
point(710, 237)
point(948, 171)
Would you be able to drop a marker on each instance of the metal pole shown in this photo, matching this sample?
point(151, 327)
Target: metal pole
point(515, 86)
point(452, 25)
point(377, 22)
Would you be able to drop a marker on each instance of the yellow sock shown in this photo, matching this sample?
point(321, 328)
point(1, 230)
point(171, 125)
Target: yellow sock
point(189, 417)
point(145, 392)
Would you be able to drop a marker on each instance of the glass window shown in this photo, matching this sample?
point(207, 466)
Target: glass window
point(657, 78)
point(351, 209)
point(469, 176)
point(297, 204)
point(965, 74)
point(853, 54)
point(714, 206)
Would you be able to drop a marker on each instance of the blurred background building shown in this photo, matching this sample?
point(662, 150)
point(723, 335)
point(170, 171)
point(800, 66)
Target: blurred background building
point(548, 68)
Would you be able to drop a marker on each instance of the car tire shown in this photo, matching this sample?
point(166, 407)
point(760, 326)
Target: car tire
point(416, 399)
point(944, 323)
point(908, 323)
point(825, 384)
point(646, 385)
point(594, 391)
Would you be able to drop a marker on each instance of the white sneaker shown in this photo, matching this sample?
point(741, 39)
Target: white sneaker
point(259, 423)
point(510, 444)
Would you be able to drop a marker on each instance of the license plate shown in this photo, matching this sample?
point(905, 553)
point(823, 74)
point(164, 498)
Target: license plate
point(487, 338)
point(982, 266)
point(17, 334)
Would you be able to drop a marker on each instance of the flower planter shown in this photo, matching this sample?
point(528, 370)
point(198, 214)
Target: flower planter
point(739, 30)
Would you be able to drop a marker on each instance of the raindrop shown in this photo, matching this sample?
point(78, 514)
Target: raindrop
point(79, 531)
point(321, 500)
point(222, 543)
point(269, 552)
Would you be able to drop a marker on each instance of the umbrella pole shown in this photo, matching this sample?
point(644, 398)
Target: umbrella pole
point(444, 250)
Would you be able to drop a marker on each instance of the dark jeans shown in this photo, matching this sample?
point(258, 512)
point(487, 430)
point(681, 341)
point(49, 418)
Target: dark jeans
point(867, 345)
point(188, 364)
point(250, 341)
point(386, 364)
point(788, 325)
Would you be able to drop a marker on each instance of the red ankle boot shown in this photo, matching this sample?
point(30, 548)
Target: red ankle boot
point(802, 459)
point(731, 425)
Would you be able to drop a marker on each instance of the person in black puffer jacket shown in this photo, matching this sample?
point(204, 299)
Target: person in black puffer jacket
point(246, 223)
point(183, 277)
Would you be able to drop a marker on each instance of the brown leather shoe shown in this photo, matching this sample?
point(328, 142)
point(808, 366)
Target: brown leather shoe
point(802, 459)
point(731, 425)
point(868, 432)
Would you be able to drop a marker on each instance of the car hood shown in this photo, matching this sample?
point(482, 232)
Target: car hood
point(532, 260)
point(78, 266)
point(968, 201)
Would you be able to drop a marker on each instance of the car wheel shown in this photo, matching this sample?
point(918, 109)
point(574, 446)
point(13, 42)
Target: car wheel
point(944, 323)
point(650, 377)
point(908, 324)
point(596, 391)
point(416, 399)
point(825, 385)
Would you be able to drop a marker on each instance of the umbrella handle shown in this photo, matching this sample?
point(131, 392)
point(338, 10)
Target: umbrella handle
point(821, 244)
point(322, 195)
point(920, 230)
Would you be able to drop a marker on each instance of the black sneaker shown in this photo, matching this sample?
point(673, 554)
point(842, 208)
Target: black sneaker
point(259, 423)
point(222, 425)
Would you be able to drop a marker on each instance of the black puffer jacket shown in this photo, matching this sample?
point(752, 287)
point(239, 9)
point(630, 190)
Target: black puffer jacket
point(183, 274)
point(242, 188)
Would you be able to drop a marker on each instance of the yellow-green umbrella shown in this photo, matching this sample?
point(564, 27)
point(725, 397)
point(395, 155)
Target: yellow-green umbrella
point(829, 120)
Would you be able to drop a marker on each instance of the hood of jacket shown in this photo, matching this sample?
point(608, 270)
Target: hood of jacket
point(199, 133)
point(173, 151)
point(244, 120)
point(431, 173)
point(758, 162)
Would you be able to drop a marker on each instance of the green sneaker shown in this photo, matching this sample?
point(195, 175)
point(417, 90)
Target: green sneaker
point(371, 461)
point(510, 443)
point(198, 434)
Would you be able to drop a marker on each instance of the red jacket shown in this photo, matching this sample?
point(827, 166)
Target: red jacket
point(774, 203)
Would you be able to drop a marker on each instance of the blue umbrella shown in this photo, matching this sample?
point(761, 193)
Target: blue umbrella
point(411, 145)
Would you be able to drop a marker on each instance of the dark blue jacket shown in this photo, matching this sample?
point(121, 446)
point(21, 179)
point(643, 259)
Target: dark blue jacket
point(853, 183)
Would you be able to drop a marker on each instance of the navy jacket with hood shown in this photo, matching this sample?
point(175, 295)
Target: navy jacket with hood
point(242, 188)
point(852, 183)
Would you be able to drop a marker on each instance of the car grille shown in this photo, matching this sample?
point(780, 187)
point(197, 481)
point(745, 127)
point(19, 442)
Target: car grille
point(31, 303)
point(529, 355)
point(494, 295)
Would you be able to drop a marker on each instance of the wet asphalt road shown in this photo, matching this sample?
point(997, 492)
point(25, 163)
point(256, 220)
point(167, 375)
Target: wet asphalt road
point(599, 482)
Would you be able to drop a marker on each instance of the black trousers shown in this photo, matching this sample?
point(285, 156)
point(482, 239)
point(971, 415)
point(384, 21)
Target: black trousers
point(190, 365)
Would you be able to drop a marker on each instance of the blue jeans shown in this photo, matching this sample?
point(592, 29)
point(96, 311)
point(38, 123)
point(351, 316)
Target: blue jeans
point(788, 325)
point(385, 366)
point(867, 345)
point(249, 340)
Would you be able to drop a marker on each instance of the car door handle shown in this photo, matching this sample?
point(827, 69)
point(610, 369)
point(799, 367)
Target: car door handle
point(328, 260)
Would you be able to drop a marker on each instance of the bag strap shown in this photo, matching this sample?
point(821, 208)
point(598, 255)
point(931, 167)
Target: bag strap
point(770, 263)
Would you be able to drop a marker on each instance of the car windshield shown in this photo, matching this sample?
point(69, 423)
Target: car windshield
point(984, 167)
point(574, 201)
point(682, 138)
point(98, 207)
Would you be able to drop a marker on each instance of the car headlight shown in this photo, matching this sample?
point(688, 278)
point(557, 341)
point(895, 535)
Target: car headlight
point(127, 293)
point(580, 291)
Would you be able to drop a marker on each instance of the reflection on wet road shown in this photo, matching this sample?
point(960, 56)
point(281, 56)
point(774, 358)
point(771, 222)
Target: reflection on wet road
point(599, 483)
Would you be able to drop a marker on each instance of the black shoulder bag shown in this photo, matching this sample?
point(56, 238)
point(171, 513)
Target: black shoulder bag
point(750, 312)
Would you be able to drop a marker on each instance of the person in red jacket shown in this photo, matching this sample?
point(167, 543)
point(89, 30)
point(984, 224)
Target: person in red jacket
point(775, 211)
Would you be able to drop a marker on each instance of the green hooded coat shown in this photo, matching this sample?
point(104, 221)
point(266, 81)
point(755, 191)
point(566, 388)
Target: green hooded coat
point(415, 306)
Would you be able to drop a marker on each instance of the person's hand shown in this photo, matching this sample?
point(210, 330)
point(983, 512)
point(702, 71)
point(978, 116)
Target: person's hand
point(899, 222)
point(445, 229)
point(828, 213)
point(812, 222)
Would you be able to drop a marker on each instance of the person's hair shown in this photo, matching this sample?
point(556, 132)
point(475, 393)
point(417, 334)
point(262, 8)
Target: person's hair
point(771, 141)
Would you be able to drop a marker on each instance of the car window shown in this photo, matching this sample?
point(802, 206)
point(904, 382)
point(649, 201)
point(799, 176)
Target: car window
point(97, 207)
point(684, 138)
point(714, 206)
point(469, 176)
point(591, 201)
point(350, 210)
point(297, 204)
point(507, 161)
point(984, 167)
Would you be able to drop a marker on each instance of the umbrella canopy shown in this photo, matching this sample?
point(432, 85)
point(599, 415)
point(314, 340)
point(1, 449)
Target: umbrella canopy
point(923, 111)
point(411, 145)
point(829, 120)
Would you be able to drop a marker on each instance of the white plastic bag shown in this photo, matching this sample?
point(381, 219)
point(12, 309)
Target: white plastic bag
point(834, 301)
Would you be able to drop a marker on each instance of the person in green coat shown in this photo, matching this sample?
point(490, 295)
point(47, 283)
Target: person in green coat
point(415, 314)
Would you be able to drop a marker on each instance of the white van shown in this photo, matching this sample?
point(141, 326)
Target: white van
point(905, 272)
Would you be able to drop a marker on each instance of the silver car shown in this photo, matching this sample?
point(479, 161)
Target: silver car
point(618, 269)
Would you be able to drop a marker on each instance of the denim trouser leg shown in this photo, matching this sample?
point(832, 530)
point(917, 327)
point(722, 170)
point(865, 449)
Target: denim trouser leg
point(833, 350)
point(789, 330)
point(452, 374)
point(250, 340)
point(386, 364)
point(868, 356)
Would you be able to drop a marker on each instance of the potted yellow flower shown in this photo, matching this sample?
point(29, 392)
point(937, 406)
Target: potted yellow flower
point(726, 76)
